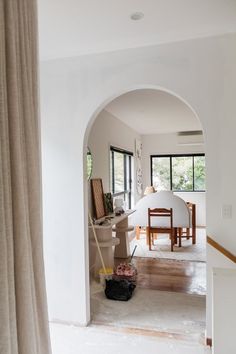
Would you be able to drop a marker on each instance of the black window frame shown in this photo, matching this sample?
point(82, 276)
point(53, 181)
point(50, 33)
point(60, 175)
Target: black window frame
point(127, 186)
point(170, 156)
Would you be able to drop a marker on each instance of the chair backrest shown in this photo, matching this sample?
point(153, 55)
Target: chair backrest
point(161, 213)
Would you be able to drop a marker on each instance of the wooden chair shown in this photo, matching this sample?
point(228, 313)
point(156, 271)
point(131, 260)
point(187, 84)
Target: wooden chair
point(186, 232)
point(153, 229)
point(139, 231)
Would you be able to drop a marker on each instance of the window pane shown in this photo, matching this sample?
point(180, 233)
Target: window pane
point(199, 173)
point(182, 173)
point(161, 173)
point(119, 172)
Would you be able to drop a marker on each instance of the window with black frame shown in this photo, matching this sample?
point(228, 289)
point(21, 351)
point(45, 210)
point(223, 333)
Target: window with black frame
point(121, 174)
point(179, 173)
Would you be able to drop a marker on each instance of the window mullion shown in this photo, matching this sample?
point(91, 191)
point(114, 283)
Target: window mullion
point(126, 186)
point(113, 171)
point(193, 175)
point(130, 182)
point(151, 157)
point(125, 172)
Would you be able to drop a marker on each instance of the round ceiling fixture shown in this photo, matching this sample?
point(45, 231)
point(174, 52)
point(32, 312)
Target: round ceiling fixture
point(135, 16)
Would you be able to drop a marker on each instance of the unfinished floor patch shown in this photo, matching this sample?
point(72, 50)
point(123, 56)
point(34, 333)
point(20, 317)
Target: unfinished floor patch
point(96, 340)
point(153, 310)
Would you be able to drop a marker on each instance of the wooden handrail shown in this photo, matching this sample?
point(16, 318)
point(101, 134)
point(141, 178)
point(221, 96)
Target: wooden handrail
point(221, 249)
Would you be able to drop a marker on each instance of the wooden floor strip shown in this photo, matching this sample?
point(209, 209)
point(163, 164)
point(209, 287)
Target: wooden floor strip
point(151, 332)
point(221, 249)
point(171, 275)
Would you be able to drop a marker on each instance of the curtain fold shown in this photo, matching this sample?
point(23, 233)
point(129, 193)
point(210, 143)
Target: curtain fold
point(23, 306)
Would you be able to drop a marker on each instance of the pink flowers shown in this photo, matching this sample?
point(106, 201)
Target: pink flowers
point(125, 269)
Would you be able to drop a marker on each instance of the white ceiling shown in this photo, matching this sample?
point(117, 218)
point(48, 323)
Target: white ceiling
point(73, 27)
point(153, 112)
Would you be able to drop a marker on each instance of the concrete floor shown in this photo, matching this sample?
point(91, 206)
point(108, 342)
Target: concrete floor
point(152, 322)
point(101, 340)
point(152, 310)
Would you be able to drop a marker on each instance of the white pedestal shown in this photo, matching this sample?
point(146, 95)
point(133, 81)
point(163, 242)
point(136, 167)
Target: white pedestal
point(123, 249)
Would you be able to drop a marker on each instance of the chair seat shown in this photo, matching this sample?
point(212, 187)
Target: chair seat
point(160, 229)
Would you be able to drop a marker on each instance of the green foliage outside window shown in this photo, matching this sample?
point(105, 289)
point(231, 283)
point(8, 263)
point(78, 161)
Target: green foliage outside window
point(119, 171)
point(179, 173)
point(182, 173)
point(199, 173)
point(161, 173)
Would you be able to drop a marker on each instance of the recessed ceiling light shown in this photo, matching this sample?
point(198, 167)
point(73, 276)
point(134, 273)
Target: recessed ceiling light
point(135, 16)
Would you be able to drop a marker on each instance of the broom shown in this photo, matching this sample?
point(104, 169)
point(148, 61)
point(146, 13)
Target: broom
point(96, 240)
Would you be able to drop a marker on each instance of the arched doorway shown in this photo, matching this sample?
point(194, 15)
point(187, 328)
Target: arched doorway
point(93, 118)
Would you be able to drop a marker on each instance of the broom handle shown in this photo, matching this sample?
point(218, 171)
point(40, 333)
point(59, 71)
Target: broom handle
point(96, 240)
point(133, 253)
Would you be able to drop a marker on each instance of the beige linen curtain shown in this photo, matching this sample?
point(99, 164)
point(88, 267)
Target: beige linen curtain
point(23, 307)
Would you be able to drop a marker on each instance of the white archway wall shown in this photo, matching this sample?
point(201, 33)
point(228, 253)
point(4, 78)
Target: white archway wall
point(74, 90)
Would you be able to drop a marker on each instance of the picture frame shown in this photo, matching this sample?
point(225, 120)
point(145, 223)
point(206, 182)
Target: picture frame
point(98, 198)
point(108, 203)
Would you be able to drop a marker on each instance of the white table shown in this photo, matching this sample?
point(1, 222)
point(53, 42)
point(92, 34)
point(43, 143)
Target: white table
point(162, 199)
point(182, 217)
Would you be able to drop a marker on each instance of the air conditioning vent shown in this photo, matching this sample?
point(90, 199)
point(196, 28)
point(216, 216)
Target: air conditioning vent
point(190, 133)
point(193, 137)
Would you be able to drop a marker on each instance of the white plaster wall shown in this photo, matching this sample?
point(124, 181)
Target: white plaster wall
point(73, 92)
point(168, 144)
point(198, 198)
point(222, 275)
point(224, 290)
point(108, 131)
point(62, 176)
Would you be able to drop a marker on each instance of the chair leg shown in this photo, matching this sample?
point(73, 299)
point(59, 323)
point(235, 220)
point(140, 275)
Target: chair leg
point(137, 232)
point(149, 238)
point(172, 235)
point(188, 233)
point(194, 224)
point(175, 234)
point(194, 235)
point(180, 235)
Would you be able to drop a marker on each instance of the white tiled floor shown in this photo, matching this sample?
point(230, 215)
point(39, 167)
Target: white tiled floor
point(97, 340)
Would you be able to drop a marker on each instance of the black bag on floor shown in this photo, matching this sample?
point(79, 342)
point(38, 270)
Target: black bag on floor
point(119, 289)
